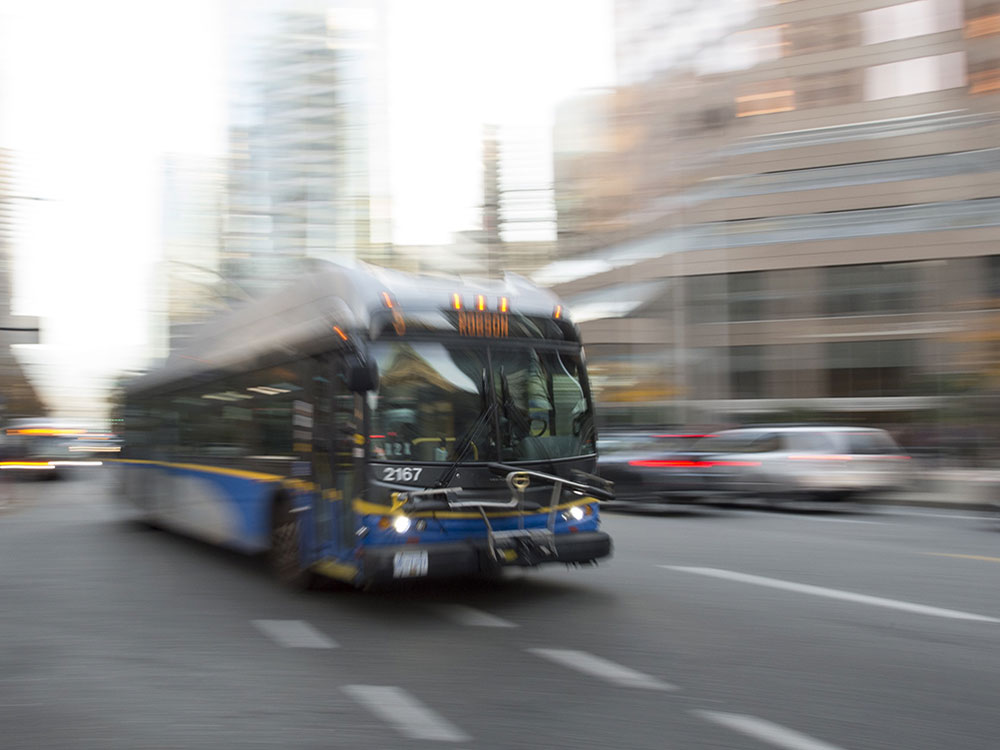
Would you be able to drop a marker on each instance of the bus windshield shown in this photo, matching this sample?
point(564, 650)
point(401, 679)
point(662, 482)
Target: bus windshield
point(439, 400)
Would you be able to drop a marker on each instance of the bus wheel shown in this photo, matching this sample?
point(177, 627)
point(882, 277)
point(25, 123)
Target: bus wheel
point(285, 555)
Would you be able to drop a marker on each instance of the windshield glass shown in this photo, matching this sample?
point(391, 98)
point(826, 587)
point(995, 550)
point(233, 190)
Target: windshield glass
point(544, 410)
point(432, 403)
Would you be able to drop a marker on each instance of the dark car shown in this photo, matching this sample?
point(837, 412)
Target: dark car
point(654, 467)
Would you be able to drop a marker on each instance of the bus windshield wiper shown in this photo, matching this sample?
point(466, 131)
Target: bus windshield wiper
point(463, 446)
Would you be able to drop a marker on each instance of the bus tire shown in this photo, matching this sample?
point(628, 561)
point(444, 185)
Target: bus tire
point(285, 556)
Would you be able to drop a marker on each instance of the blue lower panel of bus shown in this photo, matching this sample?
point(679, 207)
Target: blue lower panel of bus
point(222, 506)
point(449, 546)
point(441, 528)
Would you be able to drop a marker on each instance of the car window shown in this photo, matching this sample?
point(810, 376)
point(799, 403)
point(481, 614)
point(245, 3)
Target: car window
point(623, 445)
point(871, 442)
point(727, 442)
point(768, 443)
point(810, 441)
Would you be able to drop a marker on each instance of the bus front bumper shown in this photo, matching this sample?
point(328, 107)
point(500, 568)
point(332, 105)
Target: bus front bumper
point(457, 559)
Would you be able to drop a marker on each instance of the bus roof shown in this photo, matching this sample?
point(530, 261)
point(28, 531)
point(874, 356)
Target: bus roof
point(301, 317)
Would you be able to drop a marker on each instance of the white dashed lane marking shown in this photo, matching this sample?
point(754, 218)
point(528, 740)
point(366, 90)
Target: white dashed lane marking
point(847, 596)
point(406, 714)
point(819, 519)
point(596, 666)
point(294, 634)
point(463, 615)
point(766, 731)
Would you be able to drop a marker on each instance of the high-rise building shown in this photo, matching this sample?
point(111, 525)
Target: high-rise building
point(18, 396)
point(813, 225)
point(190, 281)
point(301, 181)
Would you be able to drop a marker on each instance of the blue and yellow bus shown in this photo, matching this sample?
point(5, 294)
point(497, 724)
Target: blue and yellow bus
point(370, 425)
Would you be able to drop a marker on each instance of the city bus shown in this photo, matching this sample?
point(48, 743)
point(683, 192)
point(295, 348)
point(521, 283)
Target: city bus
point(369, 425)
point(50, 448)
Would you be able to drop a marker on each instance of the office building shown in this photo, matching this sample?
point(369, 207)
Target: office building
point(811, 227)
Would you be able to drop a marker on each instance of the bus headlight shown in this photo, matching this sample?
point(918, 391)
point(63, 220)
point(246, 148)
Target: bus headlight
point(573, 514)
point(401, 524)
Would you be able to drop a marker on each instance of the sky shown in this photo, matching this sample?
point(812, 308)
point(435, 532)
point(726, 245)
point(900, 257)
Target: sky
point(94, 94)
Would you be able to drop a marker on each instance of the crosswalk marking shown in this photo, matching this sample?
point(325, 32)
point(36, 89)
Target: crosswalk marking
point(849, 596)
point(463, 615)
point(597, 666)
point(767, 731)
point(406, 714)
point(294, 634)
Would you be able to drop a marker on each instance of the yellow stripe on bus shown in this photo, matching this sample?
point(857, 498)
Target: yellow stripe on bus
point(208, 469)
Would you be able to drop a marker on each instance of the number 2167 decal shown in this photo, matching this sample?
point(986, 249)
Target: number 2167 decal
point(401, 473)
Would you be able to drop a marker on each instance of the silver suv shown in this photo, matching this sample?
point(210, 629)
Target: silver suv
point(804, 462)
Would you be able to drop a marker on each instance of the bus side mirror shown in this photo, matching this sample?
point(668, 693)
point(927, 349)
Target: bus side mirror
point(362, 374)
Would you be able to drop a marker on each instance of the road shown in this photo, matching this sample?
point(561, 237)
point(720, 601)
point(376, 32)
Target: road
point(709, 629)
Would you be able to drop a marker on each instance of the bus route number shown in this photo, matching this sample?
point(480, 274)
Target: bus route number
point(401, 473)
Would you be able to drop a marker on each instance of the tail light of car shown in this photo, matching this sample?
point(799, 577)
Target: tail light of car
point(653, 463)
point(660, 464)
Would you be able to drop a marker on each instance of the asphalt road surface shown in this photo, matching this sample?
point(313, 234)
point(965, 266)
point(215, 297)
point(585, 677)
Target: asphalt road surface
point(708, 629)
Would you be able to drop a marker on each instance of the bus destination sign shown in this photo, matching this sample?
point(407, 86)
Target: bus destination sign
point(482, 323)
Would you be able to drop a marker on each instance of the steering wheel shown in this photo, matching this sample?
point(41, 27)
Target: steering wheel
point(537, 431)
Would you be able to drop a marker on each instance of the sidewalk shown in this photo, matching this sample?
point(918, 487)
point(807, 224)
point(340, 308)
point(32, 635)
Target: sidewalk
point(960, 488)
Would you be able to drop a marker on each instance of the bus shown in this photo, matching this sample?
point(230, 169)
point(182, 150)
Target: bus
point(49, 448)
point(369, 425)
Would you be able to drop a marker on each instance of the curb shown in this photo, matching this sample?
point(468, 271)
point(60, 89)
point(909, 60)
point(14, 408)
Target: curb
point(931, 502)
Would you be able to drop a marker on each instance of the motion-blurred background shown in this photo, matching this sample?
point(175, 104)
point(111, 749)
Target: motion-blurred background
point(756, 211)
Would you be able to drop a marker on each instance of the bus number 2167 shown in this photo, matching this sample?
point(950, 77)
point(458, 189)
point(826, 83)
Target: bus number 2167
point(401, 473)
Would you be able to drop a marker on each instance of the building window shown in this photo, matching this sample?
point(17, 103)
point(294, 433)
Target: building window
point(820, 35)
point(982, 18)
point(746, 296)
point(756, 46)
point(696, 122)
point(984, 77)
point(747, 371)
point(766, 98)
point(792, 369)
point(828, 89)
point(870, 368)
point(706, 298)
point(910, 19)
point(871, 289)
point(993, 276)
point(918, 75)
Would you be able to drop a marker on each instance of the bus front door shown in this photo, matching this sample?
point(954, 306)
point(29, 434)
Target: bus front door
point(333, 459)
